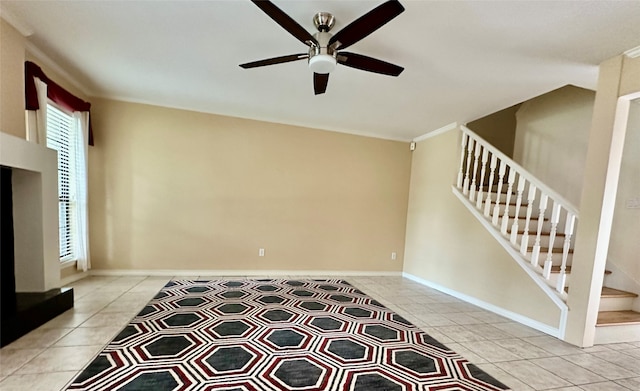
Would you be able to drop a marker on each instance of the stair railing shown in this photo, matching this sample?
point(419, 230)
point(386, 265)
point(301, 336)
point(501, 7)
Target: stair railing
point(534, 220)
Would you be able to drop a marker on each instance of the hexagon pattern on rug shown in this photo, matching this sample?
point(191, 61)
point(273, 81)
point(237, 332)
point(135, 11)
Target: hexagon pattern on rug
point(275, 335)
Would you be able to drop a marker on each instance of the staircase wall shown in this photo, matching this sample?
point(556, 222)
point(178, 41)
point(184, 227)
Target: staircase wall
point(624, 248)
point(448, 248)
point(499, 129)
point(552, 132)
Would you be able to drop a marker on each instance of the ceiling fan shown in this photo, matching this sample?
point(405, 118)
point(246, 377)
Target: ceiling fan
point(325, 49)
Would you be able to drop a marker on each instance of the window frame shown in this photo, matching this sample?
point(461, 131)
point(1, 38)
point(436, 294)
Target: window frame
point(66, 235)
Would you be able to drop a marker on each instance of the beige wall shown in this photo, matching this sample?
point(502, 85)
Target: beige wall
point(446, 245)
point(551, 138)
point(173, 189)
point(12, 54)
point(499, 129)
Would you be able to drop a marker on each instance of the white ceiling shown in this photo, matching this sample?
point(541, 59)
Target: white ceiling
point(462, 59)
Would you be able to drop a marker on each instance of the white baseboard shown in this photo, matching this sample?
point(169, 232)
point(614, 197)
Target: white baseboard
point(240, 273)
point(545, 328)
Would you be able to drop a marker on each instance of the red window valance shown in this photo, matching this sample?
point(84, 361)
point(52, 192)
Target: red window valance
point(56, 93)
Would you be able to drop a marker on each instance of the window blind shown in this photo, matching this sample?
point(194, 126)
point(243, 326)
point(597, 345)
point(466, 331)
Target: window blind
point(60, 133)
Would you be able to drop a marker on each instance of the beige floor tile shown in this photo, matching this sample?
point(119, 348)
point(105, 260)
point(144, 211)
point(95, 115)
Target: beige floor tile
point(60, 359)
point(12, 359)
point(595, 349)
point(522, 348)
point(37, 382)
point(40, 338)
point(89, 336)
point(635, 352)
point(68, 319)
point(459, 333)
point(620, 346)
point(489, 331)
point(621, 359)
point(604, 386)
point(462, 319)
point(517, 329)
point(434, 319)
point(553, 345)
point(440, 337)
point(631, 383)
point(90, 304)
point(466, 353)
point(505, 378)
point(532, 375)
point(599, 366)
point(535, 361)
point(569, 371)
point(103, 319)
point(490, 351)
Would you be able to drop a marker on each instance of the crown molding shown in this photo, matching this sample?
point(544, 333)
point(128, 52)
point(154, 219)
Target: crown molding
point(45, 60)
point(436, 132)
point(633, 53)
point(15, 22)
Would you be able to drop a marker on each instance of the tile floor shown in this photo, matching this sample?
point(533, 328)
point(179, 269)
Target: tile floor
point(524, 359)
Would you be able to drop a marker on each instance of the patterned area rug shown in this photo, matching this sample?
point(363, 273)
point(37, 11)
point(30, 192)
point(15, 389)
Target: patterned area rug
point(255, 335)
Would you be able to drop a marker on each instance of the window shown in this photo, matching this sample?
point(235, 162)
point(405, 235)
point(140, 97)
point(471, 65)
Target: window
point(61, 133)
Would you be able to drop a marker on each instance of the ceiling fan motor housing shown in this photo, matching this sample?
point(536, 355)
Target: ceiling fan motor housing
point(322, 58)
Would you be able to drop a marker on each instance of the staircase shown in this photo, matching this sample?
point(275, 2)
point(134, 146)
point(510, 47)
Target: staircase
point(536, 226)
point(616, 321)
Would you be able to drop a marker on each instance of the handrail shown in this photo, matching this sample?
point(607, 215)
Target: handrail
point(517, 208)
point(523, 171)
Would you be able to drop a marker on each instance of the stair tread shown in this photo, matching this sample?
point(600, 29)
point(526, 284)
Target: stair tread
point(607, 318)
point(567, 270)
point(611, 292)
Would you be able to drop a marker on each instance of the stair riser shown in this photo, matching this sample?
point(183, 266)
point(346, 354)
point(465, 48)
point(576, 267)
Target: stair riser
point(533, 226)
point(616, 303)
point(556, 258)
point(617, 334)
point(544, 241)
point(512, 206)
point(533, 223)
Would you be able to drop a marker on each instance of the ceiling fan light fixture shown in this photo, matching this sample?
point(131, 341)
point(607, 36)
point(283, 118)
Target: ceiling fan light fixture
point(322, 63)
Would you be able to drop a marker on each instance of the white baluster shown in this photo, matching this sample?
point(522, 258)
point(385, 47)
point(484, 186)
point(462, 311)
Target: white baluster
point(465, 186)
point(535, 254)
point(472, 194)
point(505, 216)
point(555, 217)
point(568, 232)
point(496, 208)
point(461, 172)
point(492, 170)
point(485, 157)
point(516, 217)
point(524, 246)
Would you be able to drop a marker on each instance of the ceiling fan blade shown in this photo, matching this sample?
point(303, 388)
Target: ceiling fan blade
point(286, 22)
point(275, 60)
point(366, 24)
point(320, 81)
point(370, 64)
